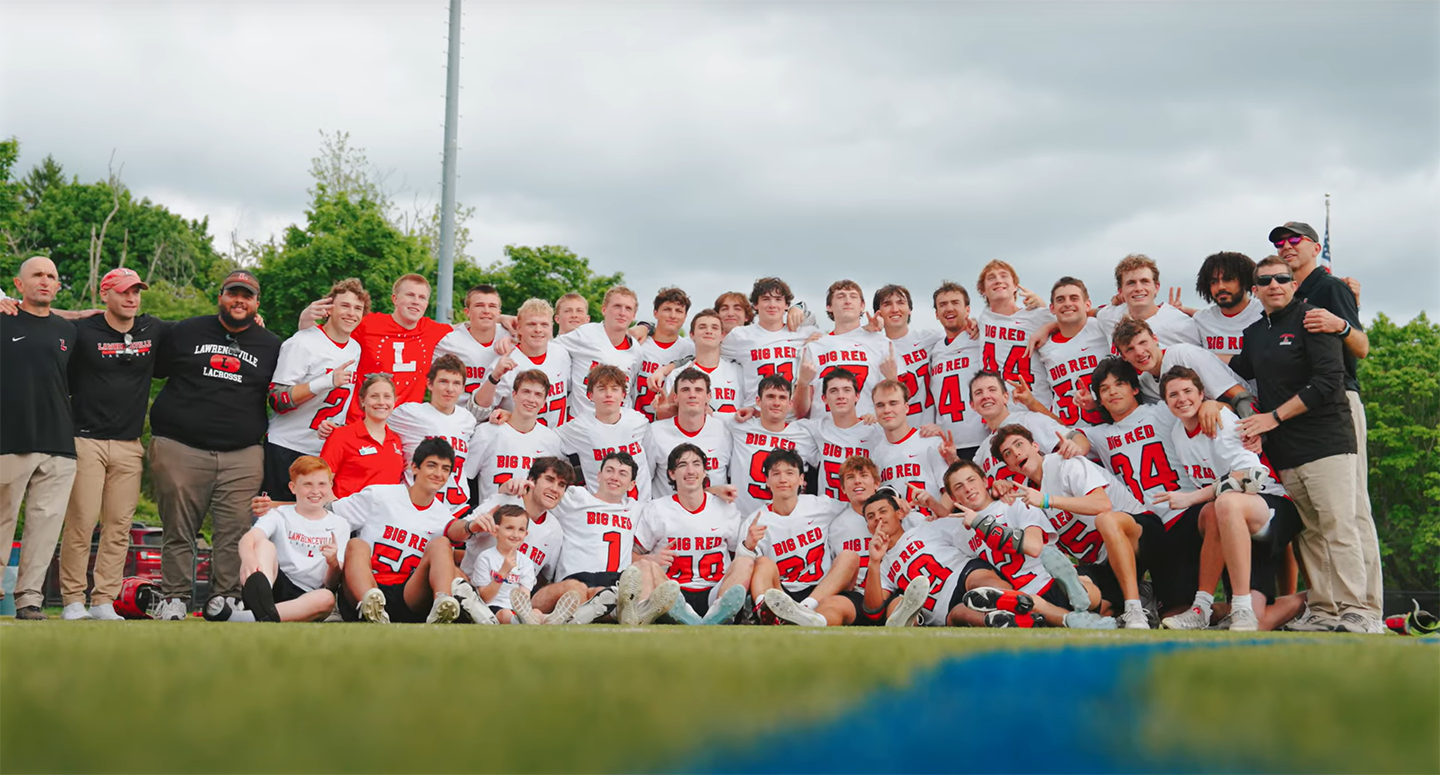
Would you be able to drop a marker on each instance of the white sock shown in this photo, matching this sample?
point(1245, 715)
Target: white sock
point(1204, 601)
point(1133, 605)
point(1243, 601)
point(810, 603)
point(242, 616)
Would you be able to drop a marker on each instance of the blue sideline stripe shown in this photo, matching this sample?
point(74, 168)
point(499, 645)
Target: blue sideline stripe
point(1035, 710)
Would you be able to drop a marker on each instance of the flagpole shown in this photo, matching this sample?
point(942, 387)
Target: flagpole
point(1325, 252)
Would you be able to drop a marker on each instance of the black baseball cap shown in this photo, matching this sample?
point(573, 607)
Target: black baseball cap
point(241, 279)
point(1296, 228)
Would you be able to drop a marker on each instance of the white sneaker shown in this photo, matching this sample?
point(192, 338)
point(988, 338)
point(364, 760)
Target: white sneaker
point(1352, 621)
point(627, 596)
point(595, 608)
point(786, 609)
point(1087, 620)
point(1242, 620)
point(520, 606)
point(907, 614)
point(565, 608)
point(444, 610)
point(372, 607)
point(1134, 619)
point(171, 609)
point(1311, 621)
point(105, 612)
point(75, 612)
point(1192, 619)
point(471, 603)
point(661, 600)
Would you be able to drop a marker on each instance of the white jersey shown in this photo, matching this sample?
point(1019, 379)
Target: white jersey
point(589, 346)
point(835, 444)
point(859, 352)
point(1140, 452)
point(750, 444)
point(1068, 364)
point(599, 536)
point(704, 541)
point(761, 353)
point(542, 544)
point(939, 550)
point(298, 543)
point(479, 357)
point(1025, 573)
point(1077, 477)
point(913, 461)
point(1042, 427)
point(1225, 334)
point(1214, 374)
point(499, 453)
point(1005, 341)
point(487, 567)
point(1170, 325)
point(592, 440)
point(1204, 461)
point(555, 363)
point(953, 363)
point(713, 439)
point(726, 385)
point(396, 530)
point(797, 541)
point(415, 422)
point(654, 355)
point(306, 356)
point(848, 533)
point(912, 358)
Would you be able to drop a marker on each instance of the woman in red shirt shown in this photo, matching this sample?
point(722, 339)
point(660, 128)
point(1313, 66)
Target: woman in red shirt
point(366, 452)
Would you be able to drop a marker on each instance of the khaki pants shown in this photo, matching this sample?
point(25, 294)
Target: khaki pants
point(188, 483)
point(43, 483)
point(1369, 537)
point(1324, 492)
point(107, 488)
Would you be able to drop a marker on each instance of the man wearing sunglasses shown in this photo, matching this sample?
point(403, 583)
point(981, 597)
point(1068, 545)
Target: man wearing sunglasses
point(1304, 420)
point(1335, 311)
point(109, 389)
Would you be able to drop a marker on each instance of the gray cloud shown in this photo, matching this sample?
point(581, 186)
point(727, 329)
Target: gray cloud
point(706, 145)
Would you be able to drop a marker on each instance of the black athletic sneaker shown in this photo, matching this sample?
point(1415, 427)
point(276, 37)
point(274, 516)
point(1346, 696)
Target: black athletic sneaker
point(259, 598)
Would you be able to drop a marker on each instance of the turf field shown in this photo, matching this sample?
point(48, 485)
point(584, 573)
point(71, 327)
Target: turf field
point(199, 697)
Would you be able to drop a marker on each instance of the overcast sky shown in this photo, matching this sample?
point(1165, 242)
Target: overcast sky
point(706, 145)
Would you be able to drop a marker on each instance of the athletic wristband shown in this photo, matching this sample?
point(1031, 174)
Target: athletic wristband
point(322, 384)
point(1346, 332)
point(492, 379)
point(1046, 504)
point(1276, 414)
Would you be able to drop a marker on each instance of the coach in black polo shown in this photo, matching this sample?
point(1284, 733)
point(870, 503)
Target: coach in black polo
point(208, 423)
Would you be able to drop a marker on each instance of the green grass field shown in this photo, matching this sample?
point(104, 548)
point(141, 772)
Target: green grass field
point(193, 696)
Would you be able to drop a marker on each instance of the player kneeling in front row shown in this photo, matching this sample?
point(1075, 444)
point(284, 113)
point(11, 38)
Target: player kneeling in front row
point(1245, 520)
point(794, 571)
point(289, 561)
point(698, 534)
point(1014, 539)
point(401, 565)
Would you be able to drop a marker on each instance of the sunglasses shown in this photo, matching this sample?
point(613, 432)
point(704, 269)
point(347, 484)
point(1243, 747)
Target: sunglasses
point(1265, 279)
point(1295, 240)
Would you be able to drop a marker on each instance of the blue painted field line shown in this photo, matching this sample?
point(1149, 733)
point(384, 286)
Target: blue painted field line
point(1033, 710)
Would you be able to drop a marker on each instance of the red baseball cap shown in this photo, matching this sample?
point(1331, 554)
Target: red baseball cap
point(121, 279)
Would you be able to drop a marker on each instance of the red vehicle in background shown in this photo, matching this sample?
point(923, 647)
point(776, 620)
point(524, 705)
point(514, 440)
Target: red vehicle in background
point(143, 560)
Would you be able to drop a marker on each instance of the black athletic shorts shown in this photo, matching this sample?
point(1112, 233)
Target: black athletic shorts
point(395, 606)
point(1104, 577)
point(1056, 595)
point(800, 594)
point(596, 579)
point(698, 599)
point(276, 482)
point(967, 453)
point(1173, 559)
point(970, 567)
point(284, 590)
point(1267, 550)
point(857, 599)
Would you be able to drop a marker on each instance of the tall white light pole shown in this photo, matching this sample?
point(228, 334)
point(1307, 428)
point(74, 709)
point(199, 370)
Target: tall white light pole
point(445, 283)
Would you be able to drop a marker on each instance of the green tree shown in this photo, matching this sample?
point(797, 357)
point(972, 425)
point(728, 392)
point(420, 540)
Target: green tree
point(547, 273)
point(44, 175)
point(1400, 382)
point(343, 237)
point(12, 205)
